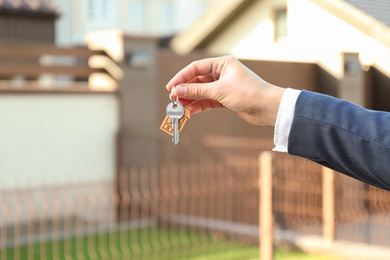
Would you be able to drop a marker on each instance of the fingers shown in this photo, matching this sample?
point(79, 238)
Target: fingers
point(199, 85)
point(195, 69)
point(202, 79)
point(199, 79)
point(200, 105)
point(210, 68)
point(196, 91)
point(186, 102)
point(204, 105)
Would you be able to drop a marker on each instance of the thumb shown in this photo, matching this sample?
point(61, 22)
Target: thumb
point(195, 91)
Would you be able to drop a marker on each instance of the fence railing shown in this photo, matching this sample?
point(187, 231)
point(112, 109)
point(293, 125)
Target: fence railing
point(305, 198)
point(43, 68)
point(161, 212)
point(179, 211)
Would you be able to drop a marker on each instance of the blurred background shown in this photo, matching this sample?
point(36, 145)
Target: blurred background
point(86, 173)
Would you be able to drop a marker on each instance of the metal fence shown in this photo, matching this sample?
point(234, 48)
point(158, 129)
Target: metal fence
point(160, 212)
point(181, 211)
point(306, 199)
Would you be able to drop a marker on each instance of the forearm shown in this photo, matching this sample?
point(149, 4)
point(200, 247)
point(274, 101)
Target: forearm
point(342, 136)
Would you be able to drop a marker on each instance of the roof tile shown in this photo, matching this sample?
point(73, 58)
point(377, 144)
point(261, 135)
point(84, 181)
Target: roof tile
point(379, 9)
point(27, 7)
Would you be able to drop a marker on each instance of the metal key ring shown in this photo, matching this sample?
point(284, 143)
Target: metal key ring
point(171, 96)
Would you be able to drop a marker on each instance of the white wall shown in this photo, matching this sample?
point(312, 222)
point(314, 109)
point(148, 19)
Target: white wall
point(252, 33)
point(311, 34)
point(314, 30)
point(57, 138)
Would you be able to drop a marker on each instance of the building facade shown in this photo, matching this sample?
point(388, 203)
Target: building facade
point(157, 17)
point(27, 21)
point(315, 31)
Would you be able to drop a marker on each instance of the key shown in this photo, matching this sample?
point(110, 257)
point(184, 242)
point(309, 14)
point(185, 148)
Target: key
point(166, 124)
point(175, 111)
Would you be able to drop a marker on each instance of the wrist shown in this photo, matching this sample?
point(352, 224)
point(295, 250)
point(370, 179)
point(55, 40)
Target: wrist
point(273, 98)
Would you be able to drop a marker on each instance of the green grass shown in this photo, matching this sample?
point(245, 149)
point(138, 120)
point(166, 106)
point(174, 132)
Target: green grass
point(147, 243)
point(253, 253)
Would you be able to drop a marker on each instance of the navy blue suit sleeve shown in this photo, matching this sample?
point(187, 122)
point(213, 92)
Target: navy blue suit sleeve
point(342, 136)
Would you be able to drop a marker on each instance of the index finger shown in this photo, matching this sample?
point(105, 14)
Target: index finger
point(197, 68)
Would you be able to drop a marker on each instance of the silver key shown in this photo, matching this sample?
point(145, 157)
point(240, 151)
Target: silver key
point(175, 111)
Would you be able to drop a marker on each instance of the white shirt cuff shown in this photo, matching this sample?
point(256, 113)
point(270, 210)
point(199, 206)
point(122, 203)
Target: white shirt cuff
point(284, 119)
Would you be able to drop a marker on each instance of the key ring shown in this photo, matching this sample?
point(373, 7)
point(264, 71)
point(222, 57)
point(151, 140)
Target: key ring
point(171, 96)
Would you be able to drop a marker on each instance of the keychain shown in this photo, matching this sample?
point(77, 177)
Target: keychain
point(176, 118)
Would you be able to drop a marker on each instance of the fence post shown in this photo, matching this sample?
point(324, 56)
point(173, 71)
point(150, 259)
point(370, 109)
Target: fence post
point(266, 218)
point(328, 204)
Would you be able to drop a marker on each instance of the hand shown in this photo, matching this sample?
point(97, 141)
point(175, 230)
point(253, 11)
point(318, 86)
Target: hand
point(226, 83)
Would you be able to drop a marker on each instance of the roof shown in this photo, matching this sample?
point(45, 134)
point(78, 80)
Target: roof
point(368, 16)
point(371, 17)
point(28, 8)
point(379, 9)
point(215, 17)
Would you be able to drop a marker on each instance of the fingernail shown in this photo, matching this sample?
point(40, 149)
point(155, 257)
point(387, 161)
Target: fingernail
point(180, 90)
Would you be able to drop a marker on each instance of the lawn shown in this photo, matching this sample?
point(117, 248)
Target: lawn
point(148, 243)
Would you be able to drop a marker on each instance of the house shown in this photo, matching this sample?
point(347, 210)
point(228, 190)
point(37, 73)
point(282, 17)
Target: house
point(161, 17)
point(27, 21)
point(55, 127)
point(301, 30)
point(315, 31)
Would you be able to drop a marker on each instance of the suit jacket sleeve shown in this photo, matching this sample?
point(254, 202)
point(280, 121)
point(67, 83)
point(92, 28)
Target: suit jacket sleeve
point(342, 136)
